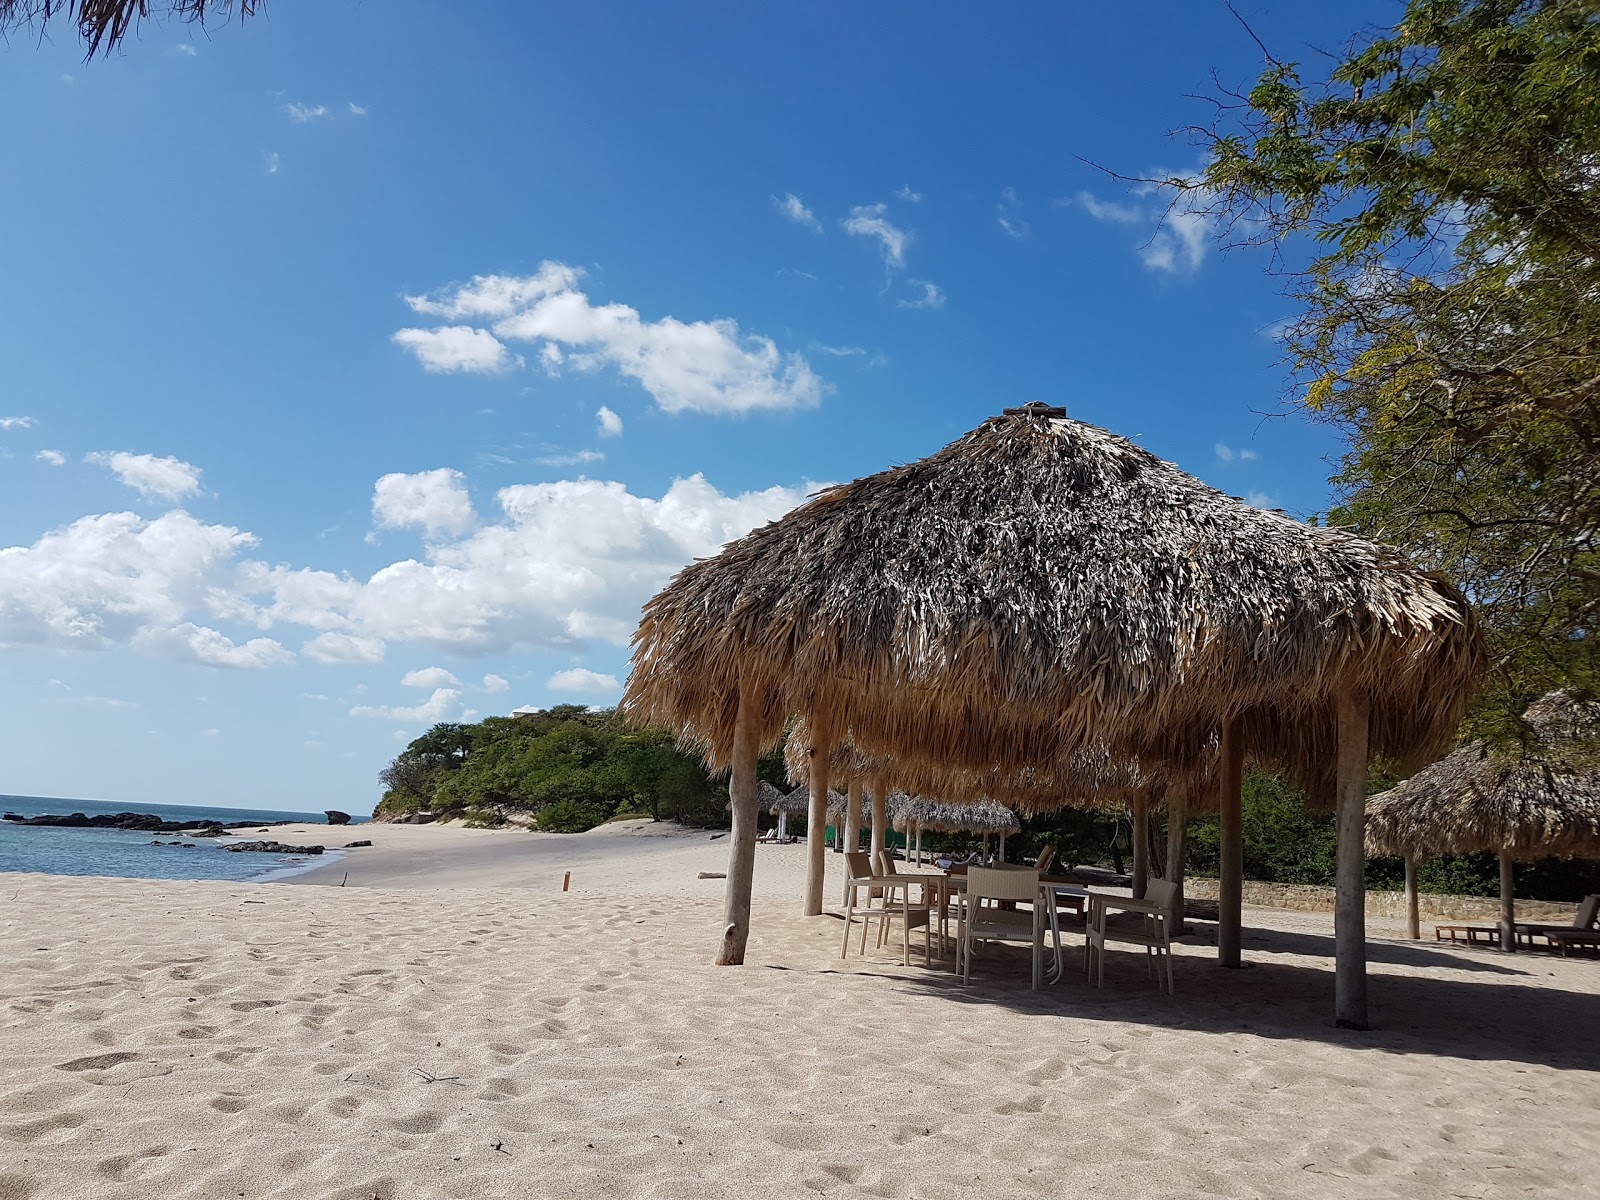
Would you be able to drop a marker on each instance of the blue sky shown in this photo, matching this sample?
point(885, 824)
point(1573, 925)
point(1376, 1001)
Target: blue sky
point(360, 370)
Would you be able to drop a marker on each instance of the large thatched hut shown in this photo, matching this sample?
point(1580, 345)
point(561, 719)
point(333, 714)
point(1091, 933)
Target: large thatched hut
point(916, 814)
point(1539, 803)
point(1042, 587)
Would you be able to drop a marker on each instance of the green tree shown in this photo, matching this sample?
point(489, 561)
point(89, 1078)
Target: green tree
point(1445, 175)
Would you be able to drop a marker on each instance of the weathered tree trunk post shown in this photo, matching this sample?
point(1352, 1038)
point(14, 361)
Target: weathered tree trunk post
point(742, 847)
point(1177, 854)
point(1141, 844)
point(852, 817)
point(783, 826)
point(1001, 855)
point(983, 848)
point(1350, 901)
point(1508, 906)
point(1230, 883)
point(1413, 916)
point(817, 814)
point(880, 821)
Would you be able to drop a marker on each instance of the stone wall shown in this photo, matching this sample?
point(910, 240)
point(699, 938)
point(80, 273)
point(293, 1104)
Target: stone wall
point(1300, 897)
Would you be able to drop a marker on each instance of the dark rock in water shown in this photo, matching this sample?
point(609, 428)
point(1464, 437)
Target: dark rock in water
point(11, 816)
point(353, 845)
point(188, 845)
point(335, 817)
point(141, 822)
point(270, 848)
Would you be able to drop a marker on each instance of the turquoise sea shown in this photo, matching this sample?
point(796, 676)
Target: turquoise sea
point(54, 851)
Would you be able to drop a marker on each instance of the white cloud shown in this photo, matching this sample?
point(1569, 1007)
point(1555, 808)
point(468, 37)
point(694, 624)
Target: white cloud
point(434, 501)
point(1007, 215)
point(53, 457)
point(435, 708)
point(274, 161)
point(200, 644)
point(344, 648)
point(928, 295)
point(583, 681)
point(794, 210)
point(357, 110)
point(869, 221)
point(578, 458)
point(211, 732)
point(565, 564)
point(1260, 500)
point(17, 422)
point(301, 114)
point(457, 348)
point(169, 479)
point(908, 195)
point(496, 684)
point(1227, 454)
point(186, 49)
point(1180, 229)
point(430, 677)
point(700, 366)
point(610, 423)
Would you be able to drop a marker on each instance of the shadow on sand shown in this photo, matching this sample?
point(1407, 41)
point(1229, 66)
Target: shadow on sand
point(1513, 1010)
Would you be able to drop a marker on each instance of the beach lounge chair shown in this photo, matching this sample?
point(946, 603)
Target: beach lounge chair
point(985, 920)
point(1046, 857)
point(1139, 923)
point(1587, 917)
point(1472, 935)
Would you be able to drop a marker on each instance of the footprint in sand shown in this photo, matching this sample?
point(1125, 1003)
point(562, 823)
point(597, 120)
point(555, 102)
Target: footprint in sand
point(1049, 1071)
point(40, 1130)
point(1015, 1108)
point(124, 1168)
point(197, 1032)
point(18, 1187)
point(421, 1122)
point(229, 1104)
point(252, 1005)
point(103, 1037)
point(97, 1062)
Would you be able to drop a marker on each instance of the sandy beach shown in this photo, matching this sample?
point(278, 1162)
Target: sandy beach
point(449, 1023)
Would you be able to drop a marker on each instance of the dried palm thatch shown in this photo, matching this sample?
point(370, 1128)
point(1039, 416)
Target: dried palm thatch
point(1543, 803)
point(923, 812)
point(102, 24)
point(794, 804)
point(1042, 587)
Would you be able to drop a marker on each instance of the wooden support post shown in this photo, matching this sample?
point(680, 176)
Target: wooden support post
point(817, 815)
point(880, 820)
point(1177, 854)
point(1141, 844)
point(1230, 884)
point(1413, 916)
point(1001, 856)
point(919, 843)
point(742, 847)
point(1350, 900)
point(852, 816)
point(983, 849)
point(783, 826)
point(1508, 906)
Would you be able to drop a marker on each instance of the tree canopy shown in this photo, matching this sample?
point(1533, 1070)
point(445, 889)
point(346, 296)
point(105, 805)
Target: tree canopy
point(102, 24)
point(1447, 175)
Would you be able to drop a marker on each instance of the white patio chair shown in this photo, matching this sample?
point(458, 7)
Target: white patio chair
point(1137, 923)
point(984, 920)
point(885, 904)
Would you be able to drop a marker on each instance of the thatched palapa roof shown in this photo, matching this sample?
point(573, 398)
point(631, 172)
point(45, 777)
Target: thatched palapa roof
point(1529, 805)
point(1042, 587)
point(922, 812)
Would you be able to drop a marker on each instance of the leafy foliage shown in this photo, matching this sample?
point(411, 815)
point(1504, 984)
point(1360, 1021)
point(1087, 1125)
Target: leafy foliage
point(565, 769)
point(1447, 176)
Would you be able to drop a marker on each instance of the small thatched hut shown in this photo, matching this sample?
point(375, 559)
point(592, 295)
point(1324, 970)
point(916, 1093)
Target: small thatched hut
point(1042, 587)
point(914, 814)
point(1538, 804)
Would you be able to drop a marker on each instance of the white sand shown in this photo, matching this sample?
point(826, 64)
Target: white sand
point(215, 1040)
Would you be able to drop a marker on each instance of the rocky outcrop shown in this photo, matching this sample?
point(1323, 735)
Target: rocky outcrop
point(335, 817)
point(270, 848)
point(355, 845)
point(138, 822)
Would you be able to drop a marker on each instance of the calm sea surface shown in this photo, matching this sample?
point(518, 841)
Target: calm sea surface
point(119, 852)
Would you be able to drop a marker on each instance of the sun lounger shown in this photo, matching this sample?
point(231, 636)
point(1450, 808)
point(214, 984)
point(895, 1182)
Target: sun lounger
point(1472, 935)
point(1587, 917)
point(1565, 939)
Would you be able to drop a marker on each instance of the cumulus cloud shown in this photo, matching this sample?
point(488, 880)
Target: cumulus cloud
point(927, 295)
point(564, 564)
point(302, 114)
point(496, 683)
point(577, 458)
point(1179, 230)
point(273, 162)
point(357, 110)
point(434, 709)
point(1008, 215)
point(52, 457)
point(1227, 454)
point(908, 195)
point(870, 221)
point(584, 681)
point(430, 677)
point(169, 479)
point(344, 648)
point(610, 423)
point(698, 366)
point(434, 501)
point(193, 643)
point(17, 422)
point(185, 49)
point(457, 348)
point(791, 208)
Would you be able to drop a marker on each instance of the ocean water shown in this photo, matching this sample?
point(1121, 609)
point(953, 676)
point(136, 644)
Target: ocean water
point(54, 851)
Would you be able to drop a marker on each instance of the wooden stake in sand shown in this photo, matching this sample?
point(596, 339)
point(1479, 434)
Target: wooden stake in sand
point(566, 881)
